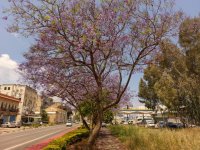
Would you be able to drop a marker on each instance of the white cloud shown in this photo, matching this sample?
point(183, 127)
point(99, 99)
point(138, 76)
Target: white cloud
point(8, 70)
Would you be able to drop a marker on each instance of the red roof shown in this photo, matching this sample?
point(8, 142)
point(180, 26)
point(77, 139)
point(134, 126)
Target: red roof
point(9, 97)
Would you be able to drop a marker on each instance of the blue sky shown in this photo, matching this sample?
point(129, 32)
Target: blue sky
point(14, 45)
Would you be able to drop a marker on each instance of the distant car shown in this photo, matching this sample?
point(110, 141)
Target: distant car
point(76, 122)
point(68, 124)
point(149, 123)
point(103, 124)
point(16, 124)
point(191, 125)
point(160, 124)
point(7, 125)
point(125, 123)
point(130, 122)
point(122, 122)
point(174, 125)
point(27, 123)
point(179, 125)
point(139, 121)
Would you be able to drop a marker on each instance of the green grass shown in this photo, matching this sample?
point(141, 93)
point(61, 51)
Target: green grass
point(138, 138)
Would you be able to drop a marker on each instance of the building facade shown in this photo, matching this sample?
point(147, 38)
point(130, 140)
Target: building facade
point(8, 108)
point(56, 114)
point(30, 101)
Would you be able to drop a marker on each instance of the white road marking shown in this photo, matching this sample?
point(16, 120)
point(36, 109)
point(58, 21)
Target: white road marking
point(30, 141)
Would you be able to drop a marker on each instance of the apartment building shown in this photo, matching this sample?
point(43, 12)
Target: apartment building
point(8, 108)
point(30, 101)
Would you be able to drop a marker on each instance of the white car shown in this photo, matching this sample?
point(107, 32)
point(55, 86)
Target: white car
point(8, 125)
point(125, 123)
point(69, 124)
point(16, 124)
point(150, 123)
point(103, 124)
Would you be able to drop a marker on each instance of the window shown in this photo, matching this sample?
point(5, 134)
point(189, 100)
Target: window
point(5, 88)
point(8, 88)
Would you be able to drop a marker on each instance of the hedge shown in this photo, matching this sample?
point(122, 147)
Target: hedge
point(67, 139)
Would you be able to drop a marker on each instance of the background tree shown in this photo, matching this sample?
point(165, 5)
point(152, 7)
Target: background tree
point(177, 84)
point(44, 116)
point(88, 108)
point(84, 40)
point(108, 116)
point(189, 39)
point(146, 86)
point(163, 64)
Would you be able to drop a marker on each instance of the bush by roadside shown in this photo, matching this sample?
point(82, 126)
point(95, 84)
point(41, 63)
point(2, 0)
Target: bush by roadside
point(138, 138)
point(67, 139)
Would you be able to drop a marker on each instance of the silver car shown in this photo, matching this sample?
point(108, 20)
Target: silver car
point(16, 124)
point(149, 123)
point(7, 125)
point(68, 124)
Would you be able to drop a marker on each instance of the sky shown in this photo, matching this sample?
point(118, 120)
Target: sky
point(12, 46)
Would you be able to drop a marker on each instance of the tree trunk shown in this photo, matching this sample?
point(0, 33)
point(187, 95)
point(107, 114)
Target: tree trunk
point(85, 123)
point(99, 116)
point(95, 131)
point(93, 134)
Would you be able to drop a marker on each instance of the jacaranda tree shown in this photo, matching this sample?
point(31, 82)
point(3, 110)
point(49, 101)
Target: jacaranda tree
point(86, 47)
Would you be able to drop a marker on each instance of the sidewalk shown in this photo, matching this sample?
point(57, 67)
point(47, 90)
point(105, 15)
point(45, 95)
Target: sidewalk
point(105, 141)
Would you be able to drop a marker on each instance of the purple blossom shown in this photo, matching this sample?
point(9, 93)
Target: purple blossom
point(5, 18)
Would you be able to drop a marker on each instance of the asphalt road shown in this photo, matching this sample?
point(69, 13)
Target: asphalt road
point(23, 139)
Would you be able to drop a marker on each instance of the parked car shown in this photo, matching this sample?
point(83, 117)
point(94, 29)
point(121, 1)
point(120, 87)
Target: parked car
point(190, 125)
point(149, 123)
point(173, 125)
point(130, 122)
point(27, 123)
point(179, 125)
point(125, 123)
point(16, 124)
point(160, 124)
point(122, 122)
point(139, 121)
point(7, 125)
point(69, 124)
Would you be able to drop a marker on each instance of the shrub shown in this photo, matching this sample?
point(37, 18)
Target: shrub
point(52, 147)
point(51, 124)
point(81, 127)
point(35, 125)
point(67, 139)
